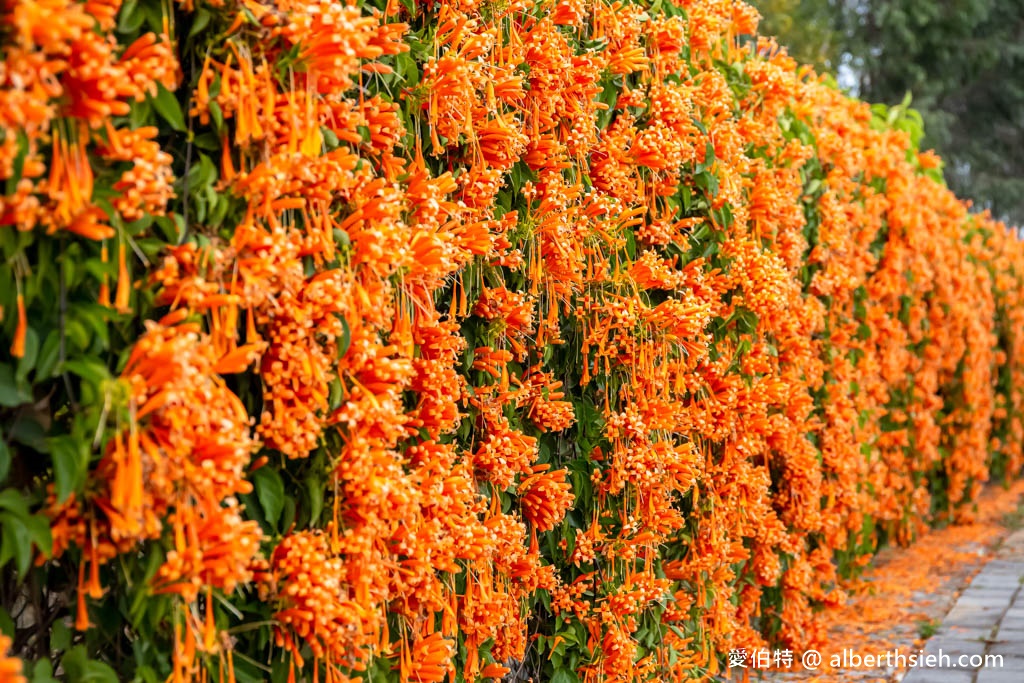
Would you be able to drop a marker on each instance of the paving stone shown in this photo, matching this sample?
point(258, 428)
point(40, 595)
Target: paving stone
point(964, 608)
point(985, 621)
point(1003, 566)
point(1009, 569)
point(1009, 635)
point(999, 582)
point(996, 581)
point(1015, 664)
point(954, 648)
point(997, 564)
point(1012, 623)
point(974, 617)
point(999, 676)
point(981, 589)
point(954, 632)
point(992, 569)
point(1008, 651)
point(976, 621)
point(1007, 591)
point(993, 608)
point(983, 592)
point(1010, 639)
point(1000, 579)
point(999, 599)
point(1004, 586)
point(1015, 612)
point(939, 676)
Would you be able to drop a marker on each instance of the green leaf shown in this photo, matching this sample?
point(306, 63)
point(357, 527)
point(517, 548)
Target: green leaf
point(270, 493)
point(14, 502)
point(147, 675)
point(200, 21)
point(207, 141)
point(81, 669)
point(28, 431)
point(288, 515)
point(346, 338)
point(219, 212)
point(7, 626)
point(131, 19)
point(331, 140)
point(70, 460)
point(565, 676)
point(49, 355)
point(166, 104)
point(406, 69)
point(60, 636)
point(28, 361)
point(140, 113)
point(334, 394)
point(5, 458)
point(247, 672)
point(94, 317)
point(315, 491)
point(76, 333)
point(11, 394)
point(89, 369)
point(217, 114)
point(43, 672)
point(16, 543)
point(205, 172)
point(19, 163)
point(39, 530)
point(142, 598)
point(169, 229)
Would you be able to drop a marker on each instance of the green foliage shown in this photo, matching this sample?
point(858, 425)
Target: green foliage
point(961, 60)
point(807, 28)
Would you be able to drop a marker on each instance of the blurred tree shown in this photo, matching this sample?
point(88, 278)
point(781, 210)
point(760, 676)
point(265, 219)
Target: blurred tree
point(962, 60)
point(808, 29)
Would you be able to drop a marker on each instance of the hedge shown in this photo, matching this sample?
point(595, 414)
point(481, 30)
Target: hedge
point(459, 340)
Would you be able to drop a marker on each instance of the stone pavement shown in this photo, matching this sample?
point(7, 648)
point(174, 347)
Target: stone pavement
point(981, 640)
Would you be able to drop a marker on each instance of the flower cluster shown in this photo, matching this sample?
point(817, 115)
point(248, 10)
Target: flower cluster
point(178, 467)
point(496, 335)
point(60, 84)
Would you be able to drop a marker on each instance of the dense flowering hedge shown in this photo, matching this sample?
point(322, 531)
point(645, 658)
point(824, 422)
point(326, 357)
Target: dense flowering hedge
point(411, 340)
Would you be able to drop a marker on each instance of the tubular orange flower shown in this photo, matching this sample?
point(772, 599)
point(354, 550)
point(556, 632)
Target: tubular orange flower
point(124, 282)
point(18, 345)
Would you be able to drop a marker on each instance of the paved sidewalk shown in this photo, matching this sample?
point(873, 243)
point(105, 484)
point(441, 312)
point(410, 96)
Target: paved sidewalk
point(981, 640)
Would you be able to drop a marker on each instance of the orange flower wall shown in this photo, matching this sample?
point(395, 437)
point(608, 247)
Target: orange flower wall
point(443, 340)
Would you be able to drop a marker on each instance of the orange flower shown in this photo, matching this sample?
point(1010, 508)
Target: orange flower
point(429, 660)
point(18, 345)
point(545, 497)
point(10, 667)
point(747, 347)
